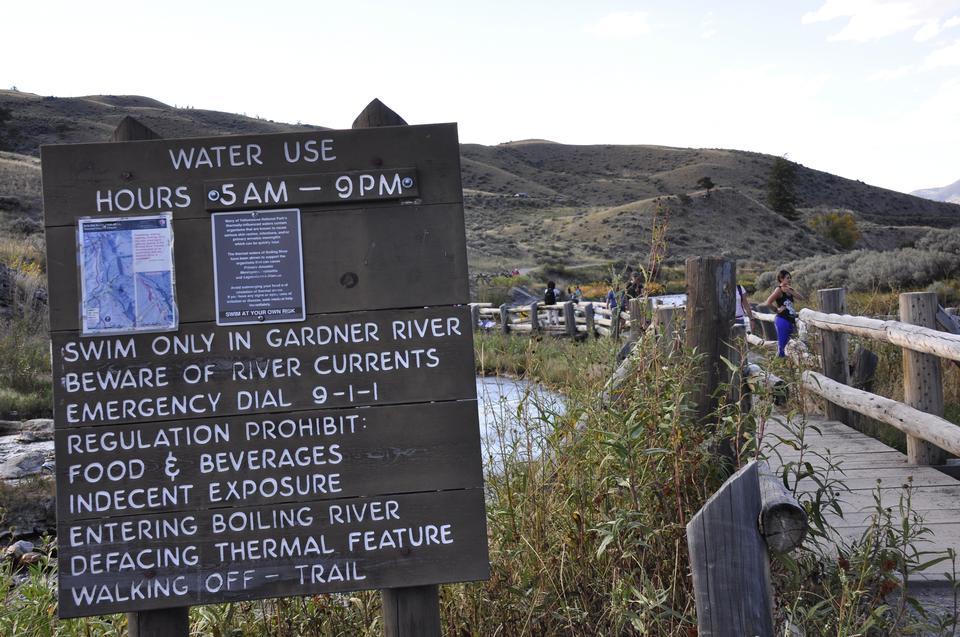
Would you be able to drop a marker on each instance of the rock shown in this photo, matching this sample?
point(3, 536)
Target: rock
point(28, 508)
point(18, 549)
point(22, 464)
point(30, 558)
point(37, 429)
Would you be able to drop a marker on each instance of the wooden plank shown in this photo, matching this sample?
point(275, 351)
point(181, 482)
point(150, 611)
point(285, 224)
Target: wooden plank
point(151, 176)
point(225, 555)
point(351, 259)
point(728, 561)
point(382, 360)
point(833, 350)
point(198, 464)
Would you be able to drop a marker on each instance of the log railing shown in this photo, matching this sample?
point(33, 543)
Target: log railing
point(565, 319)
point(929, 435)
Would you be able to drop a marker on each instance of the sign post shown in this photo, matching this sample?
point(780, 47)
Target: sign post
point(310, 423)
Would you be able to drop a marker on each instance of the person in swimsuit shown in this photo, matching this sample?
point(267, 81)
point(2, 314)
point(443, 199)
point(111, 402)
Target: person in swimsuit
point(781, 300)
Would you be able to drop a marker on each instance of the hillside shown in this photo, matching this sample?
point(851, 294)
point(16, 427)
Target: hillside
point(533, 201)
point(949, 193)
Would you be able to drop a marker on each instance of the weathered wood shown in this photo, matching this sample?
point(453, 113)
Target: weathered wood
point(505, 318)
point(349, 260)
point(757, 341)
point(423, 446)
point(448, 544)
point(922, 381)
point(570, 318)
point(833, 349)
point(377, 114)
point(413, 611)
point(475, 316)
point(729, 563)
point(913, 422)
point(913, 337)
point(535, 317)
point(373, 365)
point(711, 297)
point(783, 522)
point(588, 313)
point(165, 622)
point(664, 326)
point(132, 130)
point(864, 367)
point(615, 323)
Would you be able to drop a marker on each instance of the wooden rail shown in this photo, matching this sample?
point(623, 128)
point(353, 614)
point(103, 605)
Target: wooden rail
point(929, 436)
point(566, 319)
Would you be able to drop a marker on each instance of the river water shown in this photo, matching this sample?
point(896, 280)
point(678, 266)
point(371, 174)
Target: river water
point(516, 417)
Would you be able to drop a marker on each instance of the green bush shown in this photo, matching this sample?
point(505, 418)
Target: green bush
point(839, 227)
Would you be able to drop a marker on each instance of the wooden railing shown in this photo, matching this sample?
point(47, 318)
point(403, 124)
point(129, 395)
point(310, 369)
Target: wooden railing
point(565, 319)
point(919, 416)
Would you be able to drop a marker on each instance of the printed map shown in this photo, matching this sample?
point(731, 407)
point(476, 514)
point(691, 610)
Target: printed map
point(127, 279)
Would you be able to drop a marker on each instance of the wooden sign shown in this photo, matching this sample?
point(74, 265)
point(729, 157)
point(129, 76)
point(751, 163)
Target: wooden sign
point(310, 425)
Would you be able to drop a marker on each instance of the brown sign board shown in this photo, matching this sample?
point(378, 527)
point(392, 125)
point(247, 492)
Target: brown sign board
point(335, 449)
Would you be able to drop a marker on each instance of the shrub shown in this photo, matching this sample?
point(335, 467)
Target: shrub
point(839, 227)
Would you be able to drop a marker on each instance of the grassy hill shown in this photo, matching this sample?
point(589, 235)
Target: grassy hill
point(534, 201)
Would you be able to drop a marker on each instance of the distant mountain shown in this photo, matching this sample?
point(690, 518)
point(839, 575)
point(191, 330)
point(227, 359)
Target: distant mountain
point(534, 201)
point(949, 193)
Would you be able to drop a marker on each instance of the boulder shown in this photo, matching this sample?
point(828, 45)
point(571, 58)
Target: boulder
point(36, 430)
point(18, 549)
point(22, 464)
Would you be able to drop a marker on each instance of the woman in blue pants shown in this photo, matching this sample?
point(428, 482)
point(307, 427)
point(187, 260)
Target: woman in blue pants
point(781, 299)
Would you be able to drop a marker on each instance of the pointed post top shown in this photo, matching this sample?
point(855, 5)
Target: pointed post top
point(130, 130)
point(377, 114)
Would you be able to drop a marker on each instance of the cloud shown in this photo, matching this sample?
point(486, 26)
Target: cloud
point(944, 57)
point(708, 26)
point(868, 20)
point(621, 25)
point(887, 75)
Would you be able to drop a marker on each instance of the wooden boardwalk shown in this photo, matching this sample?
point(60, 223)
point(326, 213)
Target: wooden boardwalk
point(864, 460)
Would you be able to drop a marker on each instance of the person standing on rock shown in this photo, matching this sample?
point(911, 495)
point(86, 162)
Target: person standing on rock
point(781, 300)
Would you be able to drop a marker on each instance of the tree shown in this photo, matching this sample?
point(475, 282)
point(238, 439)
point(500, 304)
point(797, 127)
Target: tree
point(781, 195)
point(706, 183)
point(839, 227)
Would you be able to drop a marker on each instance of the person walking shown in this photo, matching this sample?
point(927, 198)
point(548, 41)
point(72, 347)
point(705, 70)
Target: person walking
point(550, 297)
point(782, 300)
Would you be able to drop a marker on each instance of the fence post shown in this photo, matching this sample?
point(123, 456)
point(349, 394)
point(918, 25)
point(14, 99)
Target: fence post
point(711, 297)
point(535, 317)
point(833, 350)
point(728, 561)
point(505, 318)
point(663, 327)
point(922, 382)
point(570, 318)
point(636, 319)
point(588, 315)
point(615, 322)
point(475, 315)
point(413, 606)
point(164, 622)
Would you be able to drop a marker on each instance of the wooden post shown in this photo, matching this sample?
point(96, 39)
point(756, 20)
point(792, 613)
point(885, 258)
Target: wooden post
point(164, 622)
point(475, 316)
point(711, 297)
point(535, 317)
point(570, 318)
point(588, 312)
point(922, 382)
point(663, 327)
point(636, 319)
point(505, 318)
point(413, 610)
point(615, 322)
point(833, 350)
point(728, 560)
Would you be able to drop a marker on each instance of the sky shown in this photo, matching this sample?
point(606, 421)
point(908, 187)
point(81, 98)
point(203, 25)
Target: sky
point(866, 89)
